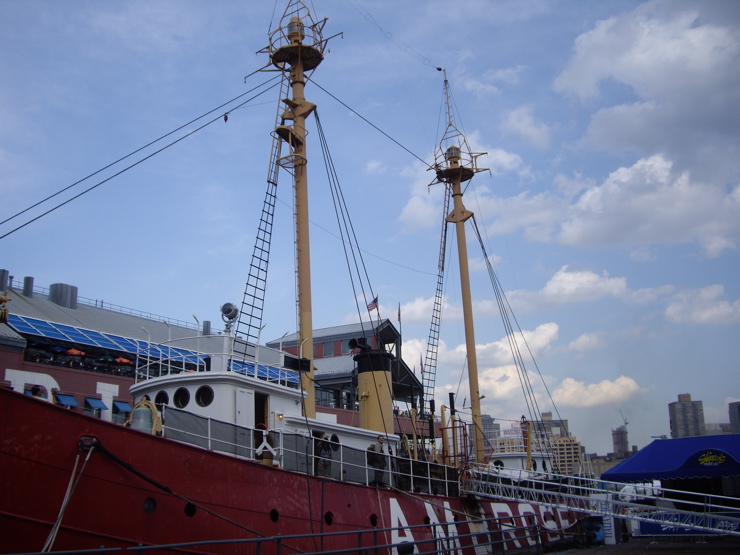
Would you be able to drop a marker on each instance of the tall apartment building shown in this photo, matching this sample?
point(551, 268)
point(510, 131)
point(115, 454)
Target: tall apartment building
point(686, 417)
point(549, 427)
point(567, 455)
point(491, 430)
point(620, 441)
point(735, 417)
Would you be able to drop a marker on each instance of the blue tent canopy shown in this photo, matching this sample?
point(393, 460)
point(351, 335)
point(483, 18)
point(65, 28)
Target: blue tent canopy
point(689, 457)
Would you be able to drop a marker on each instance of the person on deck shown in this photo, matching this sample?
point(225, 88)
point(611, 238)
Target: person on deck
point(324, 454)
point(379, 461)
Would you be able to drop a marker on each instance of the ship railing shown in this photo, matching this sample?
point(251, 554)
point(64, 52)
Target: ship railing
point(687, 511)
point(489, 535)
point(299, 453)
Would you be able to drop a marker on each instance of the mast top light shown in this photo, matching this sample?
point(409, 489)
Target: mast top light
point(453, 154)
point(295, 30)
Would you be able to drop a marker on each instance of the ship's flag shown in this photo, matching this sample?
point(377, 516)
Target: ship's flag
point(373, 305)
point(421, 362)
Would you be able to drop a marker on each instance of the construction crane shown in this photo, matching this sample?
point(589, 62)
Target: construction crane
point(623, 418)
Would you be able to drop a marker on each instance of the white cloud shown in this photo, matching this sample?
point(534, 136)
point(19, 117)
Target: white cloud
point(587, 342)
point(703, 306)
point(574, 393)
point(649, 203)
point(680, 63)
point(522, 122)
point(374, 167)
point(570, 285)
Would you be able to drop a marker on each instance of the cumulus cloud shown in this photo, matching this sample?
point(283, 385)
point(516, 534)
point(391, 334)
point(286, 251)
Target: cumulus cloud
point(570, 285)
point(522, 122)
point(703, 306)
point(680, 62)
point(574, 393)
point(587, 342)
point(644, 204)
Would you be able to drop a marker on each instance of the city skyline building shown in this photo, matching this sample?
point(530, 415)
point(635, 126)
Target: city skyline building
point(686, 417)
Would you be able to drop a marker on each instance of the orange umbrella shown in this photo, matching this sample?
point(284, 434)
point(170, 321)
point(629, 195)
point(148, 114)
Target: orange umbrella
point(75, 352)
point(121, 360)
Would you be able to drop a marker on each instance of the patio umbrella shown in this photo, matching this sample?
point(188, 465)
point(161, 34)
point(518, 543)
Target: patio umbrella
point(121, 360)
point(75, 352)
point(104, 358)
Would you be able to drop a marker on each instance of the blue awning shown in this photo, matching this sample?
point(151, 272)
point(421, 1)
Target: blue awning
point(122, 406)
point(66, 400)
point(689, 457)
point(95, 403)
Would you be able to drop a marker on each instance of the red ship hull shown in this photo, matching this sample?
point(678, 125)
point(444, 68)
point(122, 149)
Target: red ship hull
point(204, 496)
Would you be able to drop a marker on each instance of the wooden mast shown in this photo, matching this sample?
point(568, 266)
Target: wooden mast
point(454, 165)
point(290, 54)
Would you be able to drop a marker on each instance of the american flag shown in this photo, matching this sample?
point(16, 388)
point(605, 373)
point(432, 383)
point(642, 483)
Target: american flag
point(373, 305)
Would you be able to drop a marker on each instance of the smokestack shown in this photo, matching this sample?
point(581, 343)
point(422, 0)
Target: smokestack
point(63, 295)
point(28, 287)
point(206, 327)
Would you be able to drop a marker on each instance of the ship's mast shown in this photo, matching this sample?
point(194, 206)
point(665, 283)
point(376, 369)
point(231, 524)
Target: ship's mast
point(454, 165)
point(295, 48)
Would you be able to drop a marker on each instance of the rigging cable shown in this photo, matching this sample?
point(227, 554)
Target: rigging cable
point(507, 316)
point(363, 118)
point(135, 163)
point(352, 255)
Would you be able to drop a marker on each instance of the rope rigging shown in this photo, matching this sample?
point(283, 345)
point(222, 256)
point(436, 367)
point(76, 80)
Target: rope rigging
point(508, 319)
point(221, 116)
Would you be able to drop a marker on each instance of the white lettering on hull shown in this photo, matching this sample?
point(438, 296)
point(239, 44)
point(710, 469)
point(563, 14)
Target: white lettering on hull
point(401, 533)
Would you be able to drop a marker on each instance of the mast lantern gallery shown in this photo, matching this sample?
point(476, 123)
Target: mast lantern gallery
point(292, 54)
point(455, 164)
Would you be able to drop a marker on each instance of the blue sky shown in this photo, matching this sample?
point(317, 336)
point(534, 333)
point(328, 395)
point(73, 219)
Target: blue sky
point(611, 208)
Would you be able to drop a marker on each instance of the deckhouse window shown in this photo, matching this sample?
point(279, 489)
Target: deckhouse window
point(204, 396)
point(182, 398)
point(162, 398)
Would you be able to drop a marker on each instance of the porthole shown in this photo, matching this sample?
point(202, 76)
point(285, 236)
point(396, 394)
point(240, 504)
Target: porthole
point(427, 520)
point(274, 515)
point(334, 442)
point(534, 465)
point(162, 398)
point(204, 396)
point(150, 505)
point(182, 398)
point(328, 518)
point(189, 509)
point(373, 520)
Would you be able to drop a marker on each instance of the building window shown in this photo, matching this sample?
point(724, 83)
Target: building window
point(94, 407)
point(329, 349)
point(121, 412)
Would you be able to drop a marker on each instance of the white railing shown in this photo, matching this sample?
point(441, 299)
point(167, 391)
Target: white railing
point(299, 453)
point(699, 513)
